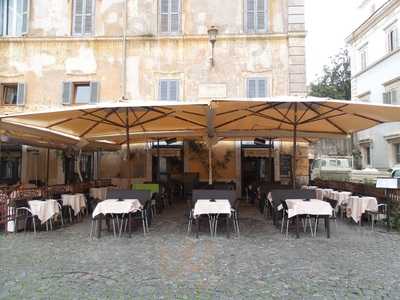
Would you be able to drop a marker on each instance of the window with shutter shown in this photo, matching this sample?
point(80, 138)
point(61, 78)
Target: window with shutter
point(257, 88)
point(21, 94)
point(9, 93)
point(169, 90)
point(94, 92)
point(394, 97)
point(14, 17)
point(170, 16)
point(67, 93)
point(83, 17)
point(256, 12)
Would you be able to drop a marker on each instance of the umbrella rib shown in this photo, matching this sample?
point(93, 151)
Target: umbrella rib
point(268, 117)
point(70, 119)
point(319, 115)
point(354, 114)
point(239, 109)
point(179, 118)
point(152, 119)
point(118, 116)
point(141, 117)
point(317, 118)
point(136, 118)
point(304, 113)
point(94, 125)
point(330, 122)
point(105, 120)
point(285, 116)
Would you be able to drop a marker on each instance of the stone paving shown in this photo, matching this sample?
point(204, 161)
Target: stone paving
point(262, 264)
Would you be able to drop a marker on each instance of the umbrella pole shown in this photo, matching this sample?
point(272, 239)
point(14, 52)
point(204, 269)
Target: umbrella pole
point(158, 161)
point(48, 166)
point(210, 168)
point(271, 178)
point(128, 149)
point(294, 147)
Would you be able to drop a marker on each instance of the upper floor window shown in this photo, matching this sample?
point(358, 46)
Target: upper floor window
point(397, 153)
point(257, 88)
point(14, 17)
point(80, 92)
point(256, 15)
point(391, 97)
point(392, 40)
point(170, 16)
point(363, 57)
point(169, 90)
point(13, 93)
point(83, 17)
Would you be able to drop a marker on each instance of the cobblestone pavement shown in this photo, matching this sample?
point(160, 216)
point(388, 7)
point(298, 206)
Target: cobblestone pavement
point(65, 264)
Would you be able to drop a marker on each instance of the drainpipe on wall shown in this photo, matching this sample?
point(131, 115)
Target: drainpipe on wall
point(124, 42)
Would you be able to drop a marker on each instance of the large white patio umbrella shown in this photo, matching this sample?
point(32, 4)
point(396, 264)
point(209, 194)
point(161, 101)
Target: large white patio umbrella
point(297, 117)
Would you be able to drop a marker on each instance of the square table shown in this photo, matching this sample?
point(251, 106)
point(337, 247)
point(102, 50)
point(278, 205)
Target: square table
point(114, 206)
point(75, 201)
point(212, 208)
point(314, 207)
point(44, 210)
point(357, 206)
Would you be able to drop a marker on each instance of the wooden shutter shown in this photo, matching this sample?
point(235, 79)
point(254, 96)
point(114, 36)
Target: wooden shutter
point(394, 97)
point(163, 90)
point(164, 16)
point(78, 17)
point(94, 92)
point(25, 16)
point(173, 90)
point(2, 10)
point(250, 15)
point(67, 92)
point(261, 88)
point(89, 17)
point(21, 94)
point(174, 16)
point(260, 17)
point(251, 88)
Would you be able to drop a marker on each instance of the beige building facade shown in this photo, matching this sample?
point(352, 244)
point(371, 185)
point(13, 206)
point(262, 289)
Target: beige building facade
point(57, 53)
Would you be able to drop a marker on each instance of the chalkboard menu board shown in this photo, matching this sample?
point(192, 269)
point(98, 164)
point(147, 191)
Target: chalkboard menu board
point(286, 165)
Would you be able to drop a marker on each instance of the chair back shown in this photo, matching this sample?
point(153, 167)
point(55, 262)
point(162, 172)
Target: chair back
point(142, 196)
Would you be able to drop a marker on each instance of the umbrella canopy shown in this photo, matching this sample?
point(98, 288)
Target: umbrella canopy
point(39, 137)
point(297, 117)
point(311, 117)
point(100, 122)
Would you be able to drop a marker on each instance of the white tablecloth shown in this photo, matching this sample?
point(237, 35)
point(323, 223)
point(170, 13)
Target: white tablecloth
point(206, 207)
point(99, 193)
point(309, 187)
point(323, 193)
point(313, 207)
point(341, 197)
point(76, 201)
point(356, 206)
point(44, 210)
point(113, 206)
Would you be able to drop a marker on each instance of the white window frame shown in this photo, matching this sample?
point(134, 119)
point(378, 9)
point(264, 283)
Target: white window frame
point(93, 17)
point(169, 81)
point(255, 21)
point(392, 39)
point(363, 51)
point(257, 79)
point(14, 28)
point(170, 32)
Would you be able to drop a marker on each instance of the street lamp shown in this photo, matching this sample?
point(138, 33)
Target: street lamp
point(212, 37)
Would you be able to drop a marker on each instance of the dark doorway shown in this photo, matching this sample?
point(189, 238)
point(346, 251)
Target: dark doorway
point(257, 170)
point(10, 163)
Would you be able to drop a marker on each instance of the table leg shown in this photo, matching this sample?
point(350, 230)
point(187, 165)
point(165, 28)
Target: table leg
point(297, 227)
point(327, 227)
point(198, 227)
point(129, 225)
point(99, 221)
point(228, 222)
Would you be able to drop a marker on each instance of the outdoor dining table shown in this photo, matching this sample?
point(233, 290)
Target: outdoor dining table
point(340, 197)
point(312, 207)
point(44, 210)
point(75, 201)
point(212, 208)
point(357, 206)
point(115, 206)
point(99, 193)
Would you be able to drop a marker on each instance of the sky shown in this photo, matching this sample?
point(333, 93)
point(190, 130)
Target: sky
point(328, 23)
